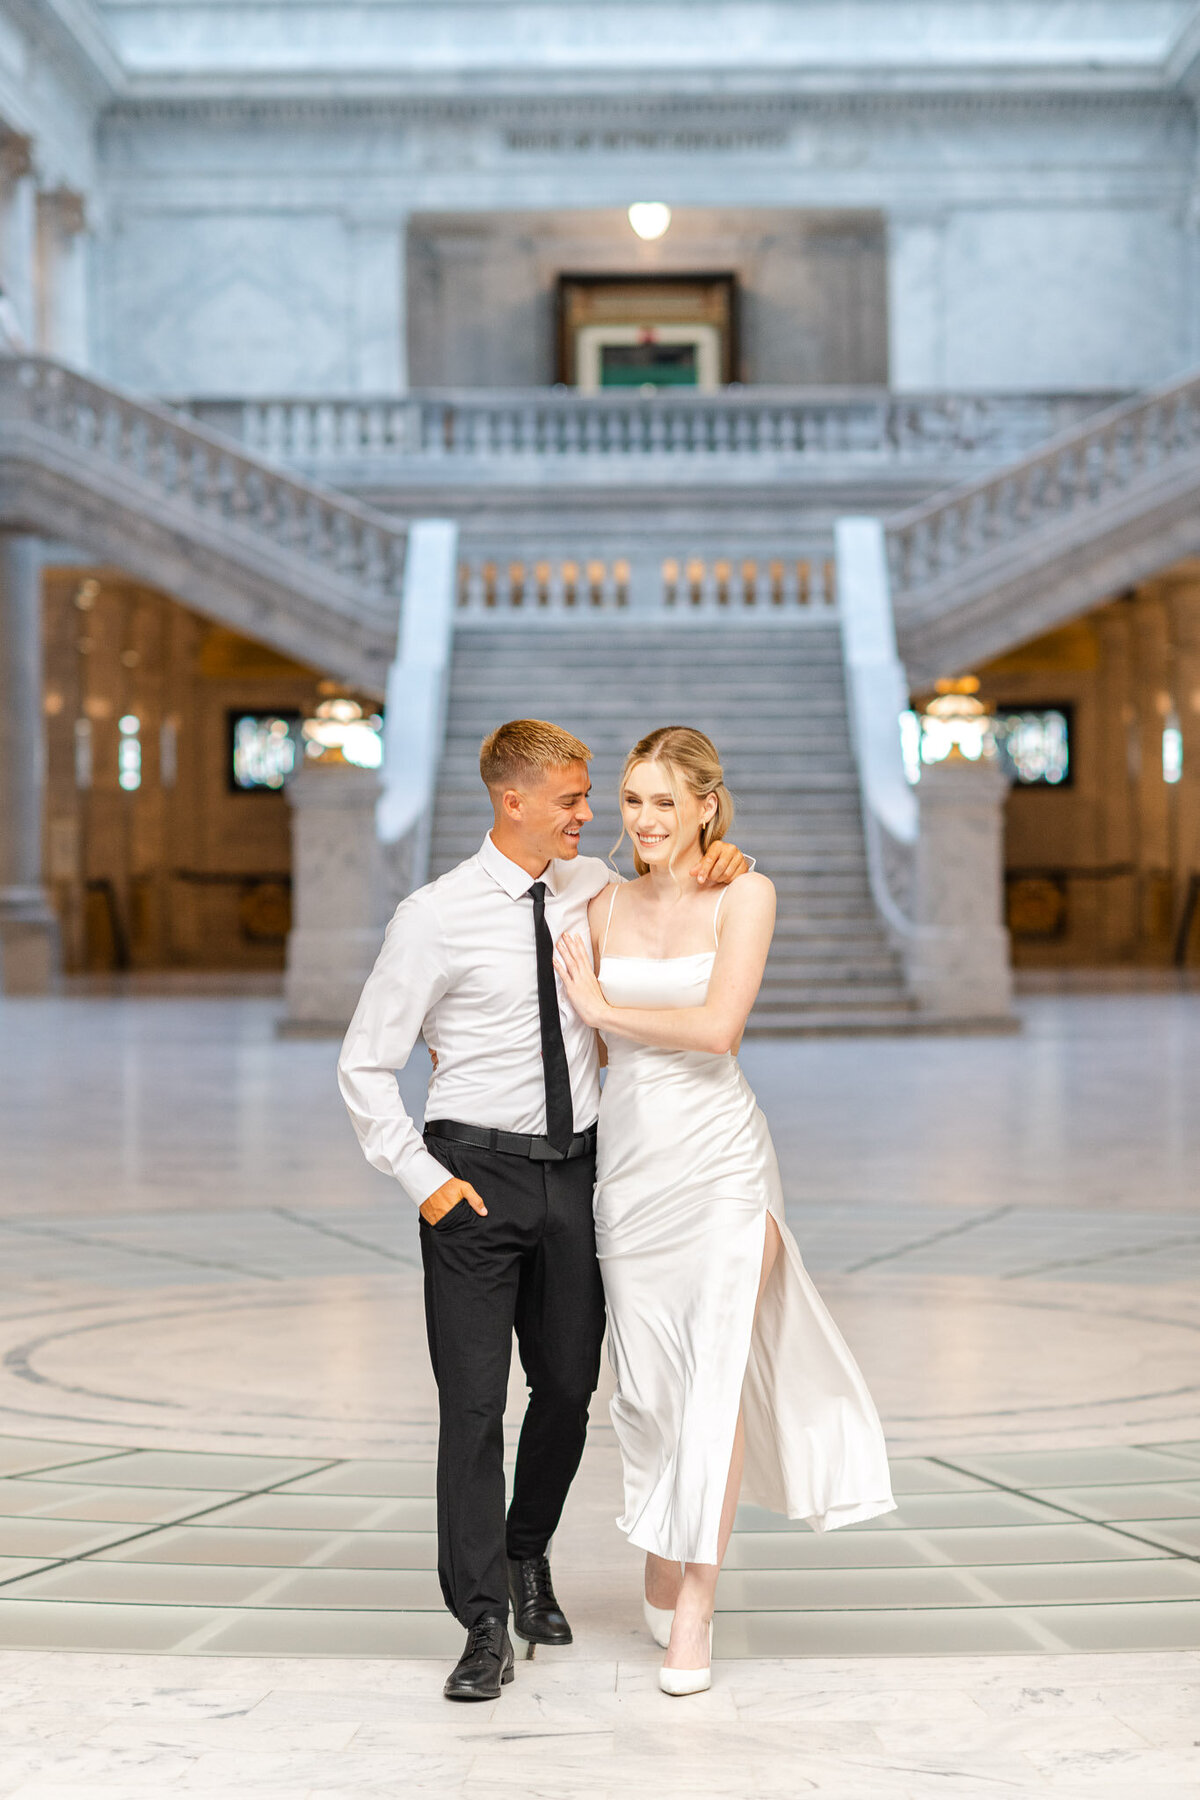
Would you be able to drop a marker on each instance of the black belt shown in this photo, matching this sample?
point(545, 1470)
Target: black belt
point(512, 1143)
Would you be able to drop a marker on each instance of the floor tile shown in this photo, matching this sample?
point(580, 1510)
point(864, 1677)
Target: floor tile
point(924, 1633)
point(1130, 1500)
point(287, 1549)
point(195, 1469)
point(1043, 1469)
point(203, 1584)
point(382, 1477)
point(327, 1512)
point(297, 1633)
point(921, 1475)
point(57, 1537)
point(133, 1505)
point(917, 1512)
point(1167, 1578)
point(962, 1547)
point(19, 1456)
point(60, 1625)
point(1171, 1625)
point(1039, 1584)
point(1173, 1534)
point(12, 1568)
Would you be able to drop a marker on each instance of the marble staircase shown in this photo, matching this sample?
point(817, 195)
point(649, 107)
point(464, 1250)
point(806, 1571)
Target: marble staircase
point(771, 696)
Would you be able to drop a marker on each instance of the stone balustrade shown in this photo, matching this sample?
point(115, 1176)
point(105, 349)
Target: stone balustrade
point(302, 567)
point(185, 462)
point(474, 428)
point(656, 578)
point(1015, 552)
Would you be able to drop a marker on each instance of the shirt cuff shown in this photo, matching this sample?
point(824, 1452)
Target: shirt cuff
point(422, 1175)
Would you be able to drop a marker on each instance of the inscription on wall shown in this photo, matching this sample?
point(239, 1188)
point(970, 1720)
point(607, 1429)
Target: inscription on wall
point(669, 142)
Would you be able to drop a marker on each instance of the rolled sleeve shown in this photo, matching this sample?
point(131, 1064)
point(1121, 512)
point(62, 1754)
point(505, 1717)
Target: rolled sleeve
point(409, 977)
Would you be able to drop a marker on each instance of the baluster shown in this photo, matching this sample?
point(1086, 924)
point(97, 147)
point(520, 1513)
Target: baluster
point(719, 580)
point(621, 573)
point(669, 581)
point(829, 581)
point(392, 548)
point(896, 550)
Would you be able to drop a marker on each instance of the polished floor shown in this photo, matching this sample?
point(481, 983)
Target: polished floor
point(217, 1428)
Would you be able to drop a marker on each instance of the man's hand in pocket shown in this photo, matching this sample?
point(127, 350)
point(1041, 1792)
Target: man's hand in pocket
point(451, 1193)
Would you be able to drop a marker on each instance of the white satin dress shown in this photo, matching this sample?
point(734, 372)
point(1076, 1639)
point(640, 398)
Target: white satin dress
point(686, 1175)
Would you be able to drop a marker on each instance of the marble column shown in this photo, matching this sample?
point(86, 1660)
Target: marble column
point(916, 275)
point(378, 304)
point(28, 930)
point(18, 228)
point(1183, 607)
point(338, 894)
point(61, 276)
point(960, 965)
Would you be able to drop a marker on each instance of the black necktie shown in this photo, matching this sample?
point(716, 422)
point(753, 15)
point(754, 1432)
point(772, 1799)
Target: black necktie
point(560, 1119)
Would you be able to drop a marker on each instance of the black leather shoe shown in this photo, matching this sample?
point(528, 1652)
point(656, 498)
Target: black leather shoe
point(537, 1616)
point(485, 1666)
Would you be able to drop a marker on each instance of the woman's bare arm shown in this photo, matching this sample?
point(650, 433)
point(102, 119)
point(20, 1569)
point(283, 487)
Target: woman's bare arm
point(717, 1026)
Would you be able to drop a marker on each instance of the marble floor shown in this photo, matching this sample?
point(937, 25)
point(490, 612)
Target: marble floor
point(217, 1428)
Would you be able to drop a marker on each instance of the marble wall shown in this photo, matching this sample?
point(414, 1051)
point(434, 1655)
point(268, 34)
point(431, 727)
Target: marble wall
point(811, 289)
point(1025, 243)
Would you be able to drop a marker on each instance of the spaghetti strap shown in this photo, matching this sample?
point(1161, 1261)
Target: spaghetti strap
point(716, 912)
point(608, 921)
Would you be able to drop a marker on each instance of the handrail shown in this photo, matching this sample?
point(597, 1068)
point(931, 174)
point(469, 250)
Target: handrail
point(343, 551)
point(470, 426)
point(415, 719)
point(876, 694)
point(931, 545)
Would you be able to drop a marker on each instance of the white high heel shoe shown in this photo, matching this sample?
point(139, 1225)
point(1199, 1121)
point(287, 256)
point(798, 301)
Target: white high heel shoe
point(658, 1622)
point(688, 1681)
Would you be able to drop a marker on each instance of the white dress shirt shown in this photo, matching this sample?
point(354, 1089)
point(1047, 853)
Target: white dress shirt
point(458, 967)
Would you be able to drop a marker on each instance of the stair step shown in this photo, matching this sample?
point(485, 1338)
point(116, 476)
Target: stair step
point(774, 702)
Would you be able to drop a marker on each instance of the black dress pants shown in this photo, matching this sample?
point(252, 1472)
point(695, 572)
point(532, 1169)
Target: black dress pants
point(529, 1265)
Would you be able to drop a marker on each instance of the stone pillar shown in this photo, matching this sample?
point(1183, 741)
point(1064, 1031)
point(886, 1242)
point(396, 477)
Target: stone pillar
point(916, 276)
point(960, 964)
point(378, 310)
point(28, 929)
point(1184, 615)
point(61, 276)
point(18, 228)
point(337, 895)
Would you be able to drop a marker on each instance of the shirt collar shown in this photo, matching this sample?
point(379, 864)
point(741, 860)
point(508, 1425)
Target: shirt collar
point(509, 875)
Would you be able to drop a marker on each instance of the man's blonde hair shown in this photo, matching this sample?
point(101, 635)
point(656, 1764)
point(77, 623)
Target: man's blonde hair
point(526, 748)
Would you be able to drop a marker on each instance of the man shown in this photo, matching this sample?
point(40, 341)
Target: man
point(503, 1176)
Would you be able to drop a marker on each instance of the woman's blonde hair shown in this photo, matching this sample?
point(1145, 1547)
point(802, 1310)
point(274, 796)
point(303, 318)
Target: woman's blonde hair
point(692, 764)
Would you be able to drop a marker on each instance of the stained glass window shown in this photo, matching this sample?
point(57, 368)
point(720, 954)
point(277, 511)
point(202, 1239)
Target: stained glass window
point(264, 750)
point(1034, 744)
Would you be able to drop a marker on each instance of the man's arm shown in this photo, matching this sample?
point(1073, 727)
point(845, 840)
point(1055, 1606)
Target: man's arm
point(408, 977)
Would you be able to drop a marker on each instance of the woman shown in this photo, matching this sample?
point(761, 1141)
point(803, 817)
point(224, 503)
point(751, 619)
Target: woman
point(723, 1351)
